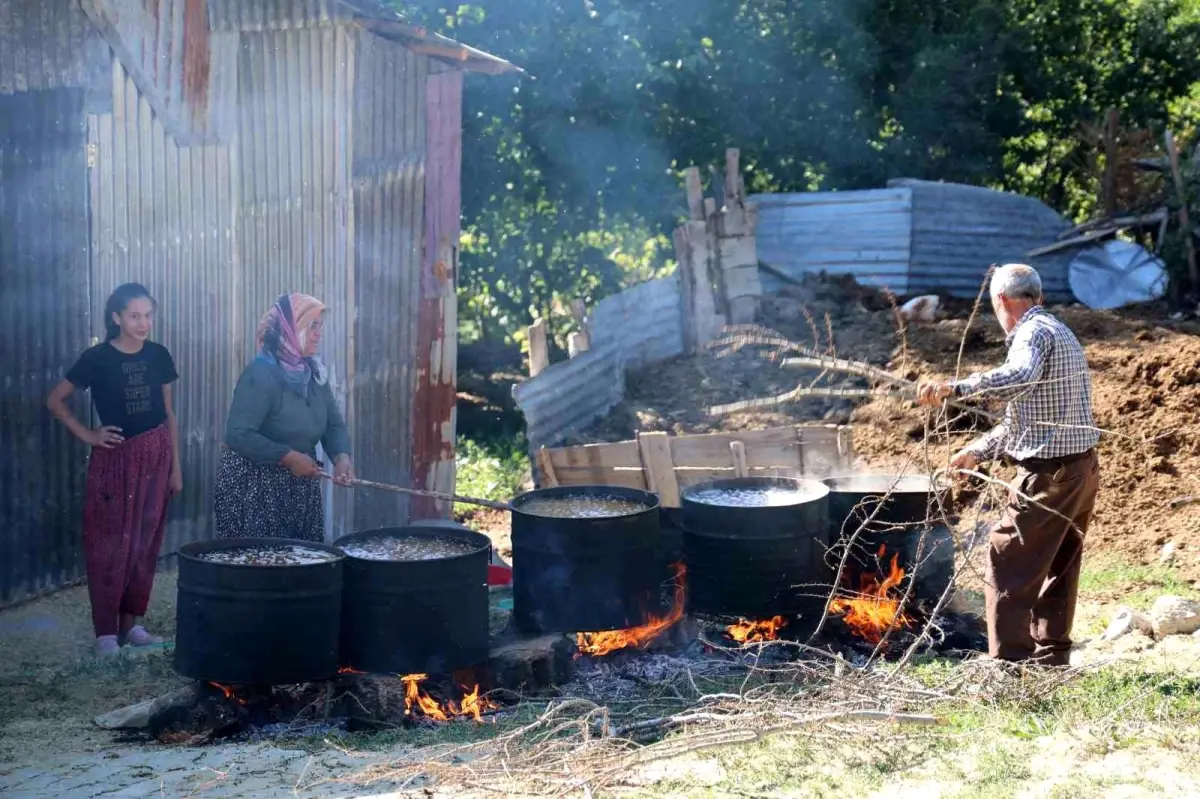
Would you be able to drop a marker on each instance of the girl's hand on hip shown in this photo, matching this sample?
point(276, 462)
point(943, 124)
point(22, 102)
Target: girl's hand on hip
point(105, 437)
point(343, 470)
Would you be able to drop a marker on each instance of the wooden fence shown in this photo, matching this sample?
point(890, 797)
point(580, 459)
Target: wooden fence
point(665, 464)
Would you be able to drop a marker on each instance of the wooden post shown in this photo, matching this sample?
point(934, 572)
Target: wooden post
point(1184, 223)
point(694, 246)
point(546, 467)
point(659, 467)
point(1108, 198)
point(539, 350)
point(695, 193)
point(738, 450)
point(582, 340)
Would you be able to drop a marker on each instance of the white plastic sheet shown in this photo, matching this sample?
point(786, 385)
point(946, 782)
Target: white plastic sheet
point(1116, 274)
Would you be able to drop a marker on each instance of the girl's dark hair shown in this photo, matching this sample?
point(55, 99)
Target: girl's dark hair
point(118, 301)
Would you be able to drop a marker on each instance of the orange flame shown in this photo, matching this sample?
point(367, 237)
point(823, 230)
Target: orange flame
point(349, 670)
point(229, 692)
point(873, 612)
point(472, 704)
point(752, 632)
point(603, 643)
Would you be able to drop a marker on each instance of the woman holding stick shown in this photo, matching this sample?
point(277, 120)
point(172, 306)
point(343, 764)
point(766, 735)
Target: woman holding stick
point(134, 468)
point(282, 407)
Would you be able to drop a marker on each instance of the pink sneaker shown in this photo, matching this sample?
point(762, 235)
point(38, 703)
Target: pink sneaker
point(107, 646)
point(138, 636)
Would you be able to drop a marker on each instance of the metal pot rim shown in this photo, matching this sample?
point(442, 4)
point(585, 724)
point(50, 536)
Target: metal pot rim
point(417, 531)
point(191, 551)
point(649, 499)
point(799, 483)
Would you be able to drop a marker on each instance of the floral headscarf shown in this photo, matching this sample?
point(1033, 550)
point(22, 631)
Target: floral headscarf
point(282, 334)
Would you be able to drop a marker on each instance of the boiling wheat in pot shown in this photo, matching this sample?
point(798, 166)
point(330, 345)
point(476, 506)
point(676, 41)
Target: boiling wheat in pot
point(408, 548)
point(269, 555)
point(582, 506)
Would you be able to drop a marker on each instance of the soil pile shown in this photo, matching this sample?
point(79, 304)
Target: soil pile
point(1146, 383)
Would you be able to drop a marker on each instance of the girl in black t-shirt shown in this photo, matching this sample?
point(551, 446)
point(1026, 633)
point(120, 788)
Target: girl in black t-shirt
point(134, 467)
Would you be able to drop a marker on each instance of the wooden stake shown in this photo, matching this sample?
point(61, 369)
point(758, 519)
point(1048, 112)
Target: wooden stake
point(695, 193)
point(738, 450)
point(539, 350)
point(659, 467)
point(546, 466)
point(1184, 223)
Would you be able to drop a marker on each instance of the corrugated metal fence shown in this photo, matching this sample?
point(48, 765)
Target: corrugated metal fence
point(638, 326)
point(914, 237)
point(959, 231)
point(867, 234)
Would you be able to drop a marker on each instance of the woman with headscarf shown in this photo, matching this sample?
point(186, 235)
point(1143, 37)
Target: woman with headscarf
point(267, 484)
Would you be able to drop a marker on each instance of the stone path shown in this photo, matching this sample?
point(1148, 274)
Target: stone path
point(261, 771)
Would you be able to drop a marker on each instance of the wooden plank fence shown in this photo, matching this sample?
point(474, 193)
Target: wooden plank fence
point(665, 464)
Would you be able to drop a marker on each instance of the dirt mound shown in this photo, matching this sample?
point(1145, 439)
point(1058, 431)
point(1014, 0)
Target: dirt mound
point(1146, 384)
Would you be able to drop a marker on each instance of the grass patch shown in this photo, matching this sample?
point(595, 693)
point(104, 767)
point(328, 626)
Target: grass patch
point(1133, 584)
point(491, 469)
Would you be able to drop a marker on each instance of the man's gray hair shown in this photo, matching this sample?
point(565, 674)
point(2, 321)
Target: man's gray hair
point(1017, 282)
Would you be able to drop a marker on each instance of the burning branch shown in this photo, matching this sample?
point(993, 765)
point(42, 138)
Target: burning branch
point(602, 643)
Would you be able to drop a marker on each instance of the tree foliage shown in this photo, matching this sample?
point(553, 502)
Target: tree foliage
point(571, 175)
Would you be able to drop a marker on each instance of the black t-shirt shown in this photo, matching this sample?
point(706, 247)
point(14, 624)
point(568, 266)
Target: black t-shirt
point(127, 390)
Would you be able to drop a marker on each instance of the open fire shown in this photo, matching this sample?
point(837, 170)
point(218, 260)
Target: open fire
point(753, 632)
point(876, 608)
point(472, 704)
point(230, 692)
point(603, 643)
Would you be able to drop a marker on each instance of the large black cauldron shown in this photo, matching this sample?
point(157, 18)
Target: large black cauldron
point(586, 575)
point(407, 617)
point(257, 625)
point(757, 561)
point(893, 515)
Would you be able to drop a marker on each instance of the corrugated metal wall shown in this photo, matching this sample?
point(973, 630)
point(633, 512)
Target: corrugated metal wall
point(163, 216)
point(867, 234)
point(217, 229)
point(171, 54)
point(389, 198)
point(294, 208)
point(959, 231)
point(48, 44)
point(44, 325)
point(636, 327)
point(263, 15)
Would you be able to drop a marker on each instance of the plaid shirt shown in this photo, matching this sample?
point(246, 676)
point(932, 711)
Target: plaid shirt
point(1049, 392)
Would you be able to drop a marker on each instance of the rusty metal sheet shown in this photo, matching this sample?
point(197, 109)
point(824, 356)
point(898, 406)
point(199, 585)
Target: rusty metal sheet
point(437, 319)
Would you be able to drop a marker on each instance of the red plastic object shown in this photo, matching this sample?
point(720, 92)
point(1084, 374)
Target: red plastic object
point(499, 575)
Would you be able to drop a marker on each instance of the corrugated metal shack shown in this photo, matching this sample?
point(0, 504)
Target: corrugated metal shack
point(223, 152)
point(914, 237)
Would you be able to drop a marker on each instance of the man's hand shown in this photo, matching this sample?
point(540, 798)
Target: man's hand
point(963, 459)
point(343, 470)
point(933, 392)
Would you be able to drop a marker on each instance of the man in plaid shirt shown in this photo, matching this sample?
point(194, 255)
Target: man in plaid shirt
point(1048, 433)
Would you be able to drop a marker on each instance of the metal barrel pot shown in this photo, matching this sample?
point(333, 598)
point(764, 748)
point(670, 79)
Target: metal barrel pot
point(256, 624)
point(898, 516)
point(757, 561)
point(586, 574)
point(420, 616)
